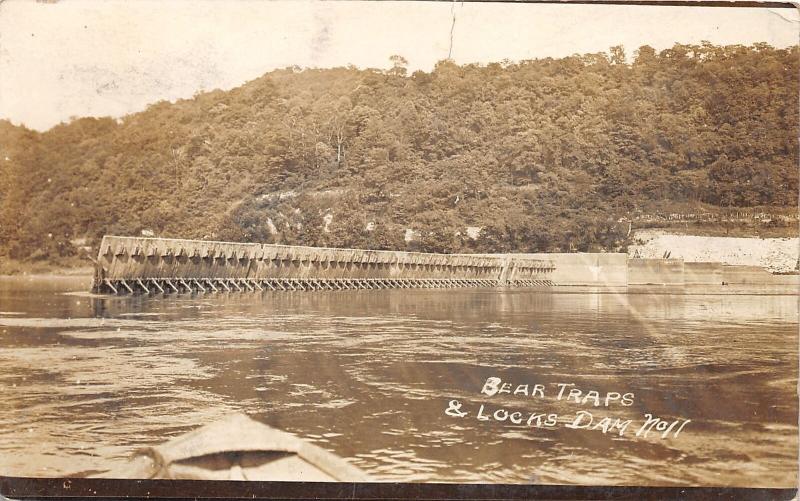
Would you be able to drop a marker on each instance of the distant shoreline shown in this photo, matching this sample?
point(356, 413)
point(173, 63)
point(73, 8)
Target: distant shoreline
point(59, 274)
point(13, 268)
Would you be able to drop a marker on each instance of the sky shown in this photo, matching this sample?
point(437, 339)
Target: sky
point(73, 58)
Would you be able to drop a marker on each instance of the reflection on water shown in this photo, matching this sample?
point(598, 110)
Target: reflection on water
point(369, 374)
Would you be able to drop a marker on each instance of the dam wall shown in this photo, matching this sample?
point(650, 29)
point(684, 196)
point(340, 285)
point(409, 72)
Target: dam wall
point(592, 269)
point(144, 265)
point(678, 272)
point(618, 270)
point(656, 272)
point(703, 273)
point(755, 275)
point(133, 265)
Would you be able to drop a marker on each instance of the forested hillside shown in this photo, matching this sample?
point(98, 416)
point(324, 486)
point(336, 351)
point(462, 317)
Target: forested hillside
point(540, 155)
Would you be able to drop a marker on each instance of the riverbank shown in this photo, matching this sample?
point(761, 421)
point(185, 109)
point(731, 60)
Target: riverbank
point(775, 255)
point(68, 267)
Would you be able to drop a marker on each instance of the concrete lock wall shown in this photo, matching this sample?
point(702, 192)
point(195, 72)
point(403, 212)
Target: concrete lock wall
point(785, 280)
point(595, 269)
point(735, 274)
point(655, 272)
point(702, 273)
point(755, 275)
point(143, 260)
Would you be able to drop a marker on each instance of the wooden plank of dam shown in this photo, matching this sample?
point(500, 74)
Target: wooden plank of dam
point(139, 265)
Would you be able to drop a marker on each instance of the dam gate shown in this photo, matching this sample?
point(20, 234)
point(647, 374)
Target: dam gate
point(134, 265)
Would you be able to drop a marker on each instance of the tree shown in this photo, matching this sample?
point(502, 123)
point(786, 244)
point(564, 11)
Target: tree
point(542, 155)
point(399, 65)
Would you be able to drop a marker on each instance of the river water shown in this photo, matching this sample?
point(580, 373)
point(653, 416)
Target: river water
point(369, 374)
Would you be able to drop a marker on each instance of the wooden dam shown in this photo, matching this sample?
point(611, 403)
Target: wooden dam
point(133, 265)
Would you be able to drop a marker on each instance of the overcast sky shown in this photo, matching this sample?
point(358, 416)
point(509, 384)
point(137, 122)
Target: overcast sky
point(91, 57)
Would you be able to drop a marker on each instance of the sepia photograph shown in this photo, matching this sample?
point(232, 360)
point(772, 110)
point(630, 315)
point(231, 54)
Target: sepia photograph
point(399, 242)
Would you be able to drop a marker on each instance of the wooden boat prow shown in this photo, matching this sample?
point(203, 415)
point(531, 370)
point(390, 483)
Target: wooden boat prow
point(239, 448)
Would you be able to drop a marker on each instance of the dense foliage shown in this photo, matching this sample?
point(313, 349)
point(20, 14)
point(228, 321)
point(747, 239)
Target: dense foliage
point(545, 154)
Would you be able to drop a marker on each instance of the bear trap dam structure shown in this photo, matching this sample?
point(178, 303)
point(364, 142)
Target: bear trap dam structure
point(139, 265)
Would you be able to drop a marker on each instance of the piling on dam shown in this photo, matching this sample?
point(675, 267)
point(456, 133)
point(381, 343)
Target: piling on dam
point(134, 265)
